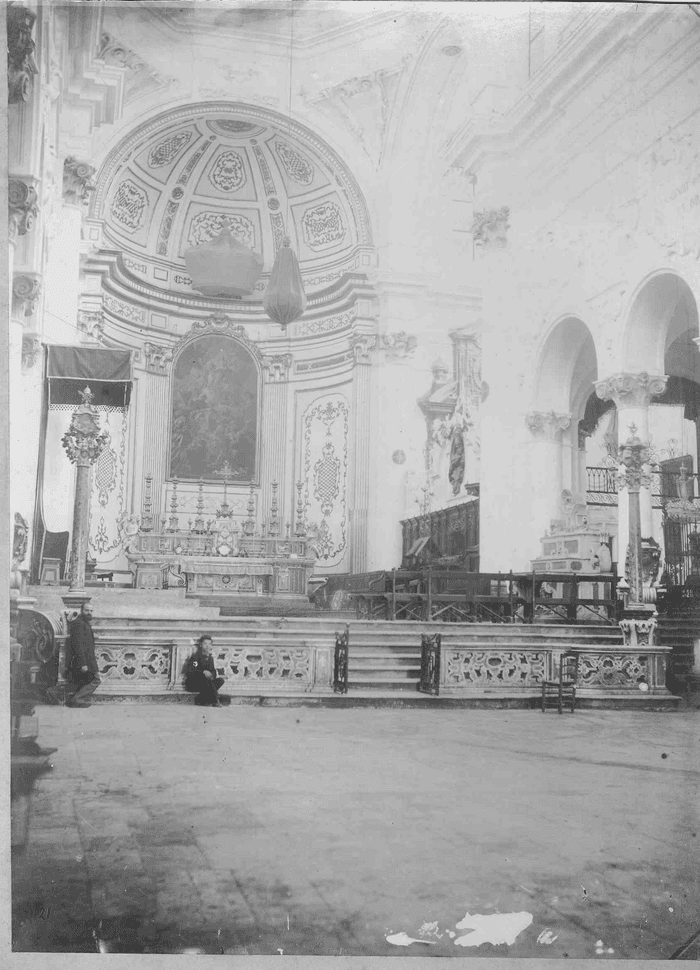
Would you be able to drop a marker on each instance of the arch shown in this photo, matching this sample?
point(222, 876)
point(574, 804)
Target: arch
point(662, 310)
point(214, 409)
point(567, 367)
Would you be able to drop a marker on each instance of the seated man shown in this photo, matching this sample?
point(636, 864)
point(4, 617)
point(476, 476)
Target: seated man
point(201, 675)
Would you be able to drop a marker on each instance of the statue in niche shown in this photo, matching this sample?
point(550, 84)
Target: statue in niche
point(214, 410)
point(456, 472)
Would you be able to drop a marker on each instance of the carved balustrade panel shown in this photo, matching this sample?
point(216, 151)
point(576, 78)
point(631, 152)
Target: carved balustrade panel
point(494, 668)
point(283, 667)
point(613, 670)
point(134, 668)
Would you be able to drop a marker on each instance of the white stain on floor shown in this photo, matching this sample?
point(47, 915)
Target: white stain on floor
point(403, 939)
point(547, 937)
point(495, 929)
point(430, 929)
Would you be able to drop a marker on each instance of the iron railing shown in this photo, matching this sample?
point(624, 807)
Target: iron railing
point(340, 662)
point(430, 647)
point(601, 486)
point(431, 595)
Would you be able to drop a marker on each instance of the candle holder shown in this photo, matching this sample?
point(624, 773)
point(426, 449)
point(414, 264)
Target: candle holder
point(274, 528)
point(173, 521)
point(301, 525)
point(199, 525)
point(249, 523)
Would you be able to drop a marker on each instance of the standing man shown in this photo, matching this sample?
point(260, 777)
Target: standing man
point(82, 662)
point(201, 675)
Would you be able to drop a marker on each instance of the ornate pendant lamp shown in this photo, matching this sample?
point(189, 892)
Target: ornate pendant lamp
point(284, 299)
point(223, 267)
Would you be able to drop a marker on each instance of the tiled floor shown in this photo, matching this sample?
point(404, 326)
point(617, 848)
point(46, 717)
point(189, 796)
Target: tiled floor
point(169, 827)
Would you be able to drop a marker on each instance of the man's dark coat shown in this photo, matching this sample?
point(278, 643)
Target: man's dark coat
point(82, 646)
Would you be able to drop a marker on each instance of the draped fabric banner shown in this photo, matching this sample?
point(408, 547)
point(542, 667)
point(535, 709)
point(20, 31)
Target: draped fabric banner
point(107, 499)
point(89, 364)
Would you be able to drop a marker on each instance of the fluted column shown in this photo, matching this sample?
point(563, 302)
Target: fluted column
point(547, 428)
point(155, 426)
point(632, 395)
point(273, 460)
point(363, 345)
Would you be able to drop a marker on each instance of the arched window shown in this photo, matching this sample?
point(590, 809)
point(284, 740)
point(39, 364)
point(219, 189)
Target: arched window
point(214, 418)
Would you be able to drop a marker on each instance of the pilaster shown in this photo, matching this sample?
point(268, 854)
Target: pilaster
point(547, 429)
point(273, 458)
point(363, 345)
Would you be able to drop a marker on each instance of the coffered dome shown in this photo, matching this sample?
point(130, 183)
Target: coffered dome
point(176, 181)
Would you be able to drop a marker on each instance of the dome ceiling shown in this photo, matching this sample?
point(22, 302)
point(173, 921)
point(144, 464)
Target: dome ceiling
point(177, 181)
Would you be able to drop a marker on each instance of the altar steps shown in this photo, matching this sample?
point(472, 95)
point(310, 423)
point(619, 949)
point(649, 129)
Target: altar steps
point(679, 633)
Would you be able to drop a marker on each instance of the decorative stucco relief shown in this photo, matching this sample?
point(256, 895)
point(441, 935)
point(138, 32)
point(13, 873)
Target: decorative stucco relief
point(325, 464)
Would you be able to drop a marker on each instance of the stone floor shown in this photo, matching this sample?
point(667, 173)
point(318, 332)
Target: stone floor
point(164, 829)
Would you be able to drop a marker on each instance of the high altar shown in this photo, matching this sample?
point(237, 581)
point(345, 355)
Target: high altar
point(213, 558)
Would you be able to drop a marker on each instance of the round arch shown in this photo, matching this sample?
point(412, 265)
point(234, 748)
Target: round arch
point(566, 369)
point(663, 310)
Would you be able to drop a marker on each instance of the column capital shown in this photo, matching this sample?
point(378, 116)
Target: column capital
point(397, 345)
point(631, 390)
point(26, 288)
point(22, 203)
point(276, 368)
point(158, 358)
point(21, 65)
point(547, 425)
point(363, 344)
point(77, 181)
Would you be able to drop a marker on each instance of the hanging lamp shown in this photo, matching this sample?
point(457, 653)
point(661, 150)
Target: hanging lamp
point(284, 299)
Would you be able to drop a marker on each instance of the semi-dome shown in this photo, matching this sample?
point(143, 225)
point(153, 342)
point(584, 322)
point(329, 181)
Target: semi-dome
point(178, 180)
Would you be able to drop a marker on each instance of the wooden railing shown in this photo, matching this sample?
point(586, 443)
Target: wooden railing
point(469, 597)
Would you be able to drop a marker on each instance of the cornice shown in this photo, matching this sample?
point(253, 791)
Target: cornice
point(581, 56)
point(123, 285)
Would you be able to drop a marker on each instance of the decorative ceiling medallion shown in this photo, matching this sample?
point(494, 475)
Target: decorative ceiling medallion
point(273, 204)
point(452, 50)
point(296, 166)
point(129, 205)
point(167, 150)
point(399, 457)
point(228, 172)
point(323, 225)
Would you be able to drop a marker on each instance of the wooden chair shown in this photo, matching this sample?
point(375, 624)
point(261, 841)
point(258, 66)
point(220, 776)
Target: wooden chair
point(563, 690)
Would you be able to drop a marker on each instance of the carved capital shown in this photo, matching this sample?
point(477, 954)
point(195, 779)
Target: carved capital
point(490, 227)
point(21, 65)
point(77, 181)
point(158, 358)
point(26, 288)
point(22, 205)
point(362, 345)
point(631, 390)
point(31, 348)
point(547, 425)
point(91, 323)
point(397, 345)
point(276, 368)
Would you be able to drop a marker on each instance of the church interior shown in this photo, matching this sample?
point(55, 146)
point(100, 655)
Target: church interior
point(363, 340)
